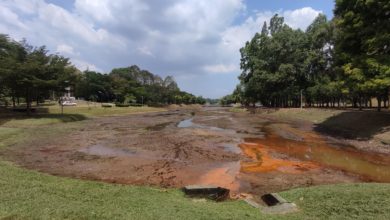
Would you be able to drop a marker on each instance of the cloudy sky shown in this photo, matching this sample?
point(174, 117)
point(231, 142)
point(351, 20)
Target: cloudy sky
point(196, 41)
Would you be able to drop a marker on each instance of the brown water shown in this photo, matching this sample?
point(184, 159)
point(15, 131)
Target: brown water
point(312, 153)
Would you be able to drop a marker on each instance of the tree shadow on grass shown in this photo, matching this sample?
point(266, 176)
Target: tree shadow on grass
point(358, 125)
point(41, 113)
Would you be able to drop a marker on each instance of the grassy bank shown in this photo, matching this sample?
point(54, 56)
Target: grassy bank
point(52, 114)
point(350, 124)
point(91, 111)
point(313, 115)
point(31, 195)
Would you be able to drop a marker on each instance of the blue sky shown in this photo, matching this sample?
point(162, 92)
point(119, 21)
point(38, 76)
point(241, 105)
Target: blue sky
point(196, 41)
point(326, 6)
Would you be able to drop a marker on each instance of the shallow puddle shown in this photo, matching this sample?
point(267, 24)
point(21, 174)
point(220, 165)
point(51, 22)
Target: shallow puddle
point(185, 123)
point(188, 123)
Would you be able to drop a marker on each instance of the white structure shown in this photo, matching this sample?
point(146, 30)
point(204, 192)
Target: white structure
point(67, 99)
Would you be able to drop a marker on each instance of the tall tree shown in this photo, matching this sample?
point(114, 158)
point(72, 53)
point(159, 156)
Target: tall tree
point(363, 46)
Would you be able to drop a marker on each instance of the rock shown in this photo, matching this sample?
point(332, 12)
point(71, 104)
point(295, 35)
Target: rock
point(206, 191)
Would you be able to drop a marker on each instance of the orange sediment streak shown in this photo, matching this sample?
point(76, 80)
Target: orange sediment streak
point(223, 177)
point(262, 161)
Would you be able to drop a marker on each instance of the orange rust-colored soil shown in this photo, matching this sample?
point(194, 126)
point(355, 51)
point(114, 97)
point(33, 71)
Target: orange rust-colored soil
point(262, 161)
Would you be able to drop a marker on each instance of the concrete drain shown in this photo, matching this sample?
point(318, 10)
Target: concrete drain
point(275, 204)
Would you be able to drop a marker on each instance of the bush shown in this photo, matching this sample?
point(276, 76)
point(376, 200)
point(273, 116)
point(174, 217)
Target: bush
point(135, 104)
point(121, 105)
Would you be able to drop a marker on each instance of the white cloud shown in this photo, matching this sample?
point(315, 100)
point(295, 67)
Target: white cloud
point(10, 19)
point(204, 17)
point(106, 11)
point(221, 68)
point(84, 65)
point(145, 51)
point(193, 38)
point(65, 49)
point(300, 18)
point(23, 6)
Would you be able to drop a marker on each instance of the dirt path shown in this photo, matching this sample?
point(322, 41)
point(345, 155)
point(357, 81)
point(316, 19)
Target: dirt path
point(244, 152)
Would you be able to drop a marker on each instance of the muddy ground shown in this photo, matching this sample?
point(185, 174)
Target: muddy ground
point(246, 153)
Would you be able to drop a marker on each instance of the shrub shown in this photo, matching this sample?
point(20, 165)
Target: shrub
point(135, 104)
point(121, 105)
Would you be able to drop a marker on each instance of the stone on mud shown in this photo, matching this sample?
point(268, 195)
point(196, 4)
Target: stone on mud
point(211, 192)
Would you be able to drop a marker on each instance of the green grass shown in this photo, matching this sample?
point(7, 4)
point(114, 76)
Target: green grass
point(9, 136)
point(22, 121)
point(26, 194)
point(101, 111)
point(313, 115)
point(52, 115)
point(343, 201)
point(31, 195)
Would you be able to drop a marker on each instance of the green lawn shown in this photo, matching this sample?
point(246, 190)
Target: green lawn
point(93, 110)
point(314, 115)
point(27, 194)
point(52, 114)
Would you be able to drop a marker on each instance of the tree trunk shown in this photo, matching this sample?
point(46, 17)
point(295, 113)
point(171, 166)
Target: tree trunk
point(379, 103)
point(354, 103)
point(28, 102)
point(13, 101)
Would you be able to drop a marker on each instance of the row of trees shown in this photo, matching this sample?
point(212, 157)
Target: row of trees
point(345, 60)
point(30, 74)
point(132, 85)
